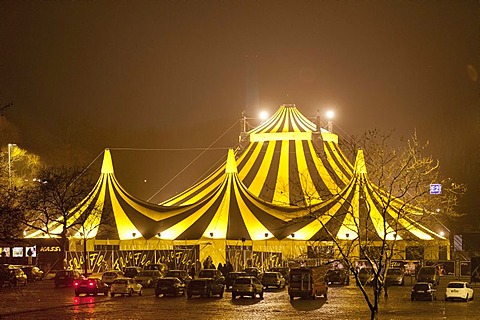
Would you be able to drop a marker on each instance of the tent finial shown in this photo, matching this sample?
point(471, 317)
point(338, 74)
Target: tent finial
point(107, 165)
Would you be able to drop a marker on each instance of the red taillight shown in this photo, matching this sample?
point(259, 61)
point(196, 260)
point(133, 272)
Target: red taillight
point(91, 283)
point(75, 283)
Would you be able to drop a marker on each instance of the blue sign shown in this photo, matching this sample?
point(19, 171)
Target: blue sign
point(435, 188)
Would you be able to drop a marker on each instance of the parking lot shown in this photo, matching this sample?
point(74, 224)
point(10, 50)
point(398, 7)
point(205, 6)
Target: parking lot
point(41, 300)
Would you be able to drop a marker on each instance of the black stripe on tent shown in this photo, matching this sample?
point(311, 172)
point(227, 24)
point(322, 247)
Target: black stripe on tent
point(273, 224)
point(367, 228)
point(296, 192)
point(335, 159)
point(268, 189)
point(256, 164)
point(317, 181)
point(196, 230)
point(331, 171)
point(108, 227)
point(236, 228)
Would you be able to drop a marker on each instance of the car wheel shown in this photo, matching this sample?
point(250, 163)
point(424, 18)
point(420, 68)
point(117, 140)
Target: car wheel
point(112, 294)
point(77, 294)
point(130, 293)
point(466, 298)
point(209, 294)
point(291, 298)
point(431, 298)
point(221, 293)
point(234, 296)
point(189, 296)
point(140, 292)
point(261, 295)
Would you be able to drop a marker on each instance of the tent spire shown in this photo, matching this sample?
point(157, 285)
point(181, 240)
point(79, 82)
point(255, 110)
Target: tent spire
point(107, 165)
point(231, 166)
point(360, 163)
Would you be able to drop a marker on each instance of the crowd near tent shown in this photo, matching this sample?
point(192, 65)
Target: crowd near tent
point(281, 194)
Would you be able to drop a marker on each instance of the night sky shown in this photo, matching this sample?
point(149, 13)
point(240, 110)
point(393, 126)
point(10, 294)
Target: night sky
point(84, 76)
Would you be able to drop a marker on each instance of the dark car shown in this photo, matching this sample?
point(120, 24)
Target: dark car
point(66, 277)
point(131, 272)
point(395, 276)
point(17, 276)
point(92, 286)
point(285, 271)
point(247, 286)
point(231, 276)
point(212, 273)
point(148, 278)
point(338, 276)
point(170, 285)
point(205, 287)
point(254, 272)
point(162, 267)
point(33, 273)
point(365, 276)
point(429, 274)
point(423, 291)
point(180, 274)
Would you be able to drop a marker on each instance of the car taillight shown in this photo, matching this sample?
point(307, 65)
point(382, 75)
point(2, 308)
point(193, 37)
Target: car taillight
point(75, 283)
point(91, 284)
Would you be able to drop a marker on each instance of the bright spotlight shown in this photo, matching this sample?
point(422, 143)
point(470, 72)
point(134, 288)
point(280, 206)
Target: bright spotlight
point(330, 114)
point(442, 233)
point(263, 115)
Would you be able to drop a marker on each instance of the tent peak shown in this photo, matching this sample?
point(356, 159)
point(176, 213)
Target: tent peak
point(107, 165)
point(360, 163)
point(231, 166)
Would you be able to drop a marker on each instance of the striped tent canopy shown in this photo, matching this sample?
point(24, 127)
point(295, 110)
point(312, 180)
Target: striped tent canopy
point(230, 212)
point(358, 211)
point(288, 160)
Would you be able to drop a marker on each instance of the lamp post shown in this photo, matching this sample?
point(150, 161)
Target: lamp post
point(10, 146)
point(265, 253)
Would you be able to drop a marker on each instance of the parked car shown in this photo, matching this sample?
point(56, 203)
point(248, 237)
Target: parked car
point(132, 271)
point(394, 276)
point(109, 276)
point(273, 279)
point(148, 278)
point(18, 277)
point(92, 286)
point(125, 286)
point(180, 274)
point(205, 287)
point(423, 291)
point(33, 273)
point(212, 273)
point(162, 267)
point(247, 286)
point(67, 277)
point(253, 271)
point(429, 274)
point(338, 276)
point(365, 276)
point(231, 276)
point(170, 285)
point(285, 271)
point(458, 290)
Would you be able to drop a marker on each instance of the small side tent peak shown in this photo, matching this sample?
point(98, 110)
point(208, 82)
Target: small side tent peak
point(107, 165)
point(360, 167)
point(231, 166)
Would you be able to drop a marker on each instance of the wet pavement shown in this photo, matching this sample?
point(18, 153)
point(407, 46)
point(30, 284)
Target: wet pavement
point(41, 300)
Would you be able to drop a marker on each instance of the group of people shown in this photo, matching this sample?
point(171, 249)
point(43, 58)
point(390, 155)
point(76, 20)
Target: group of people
point(208, 264)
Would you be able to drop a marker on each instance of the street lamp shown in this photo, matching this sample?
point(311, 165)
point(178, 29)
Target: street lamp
point(10, 146)
point(330, 114)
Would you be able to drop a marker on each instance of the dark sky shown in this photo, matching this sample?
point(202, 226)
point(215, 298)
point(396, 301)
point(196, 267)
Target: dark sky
point(88, 75)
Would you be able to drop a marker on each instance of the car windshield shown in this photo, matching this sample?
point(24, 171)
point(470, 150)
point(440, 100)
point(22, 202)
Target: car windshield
point(394, 271)
point(270, 275)
point(63, 273)
point(163, 282)
point(422, 286)
point(146, 274)
point(120, 281)
point(455, 285)
point(243, 281)
point(174, 273)
point(207, 273)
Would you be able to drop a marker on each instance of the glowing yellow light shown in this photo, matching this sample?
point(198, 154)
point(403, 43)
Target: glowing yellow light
point(330, 114)
point(263, 115)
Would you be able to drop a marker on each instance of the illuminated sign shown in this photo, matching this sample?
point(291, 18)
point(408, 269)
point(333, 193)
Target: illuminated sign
point(50, 249)
point(435, 188)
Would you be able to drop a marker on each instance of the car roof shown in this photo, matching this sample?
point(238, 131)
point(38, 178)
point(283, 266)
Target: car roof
point(462, 282)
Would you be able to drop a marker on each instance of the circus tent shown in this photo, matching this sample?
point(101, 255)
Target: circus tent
point(288, 180)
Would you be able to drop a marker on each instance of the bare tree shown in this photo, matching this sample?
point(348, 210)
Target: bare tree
point(386, 206)
point(53, 203)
